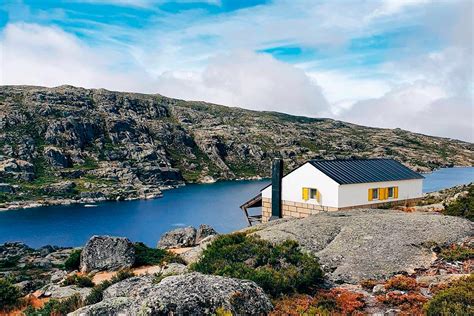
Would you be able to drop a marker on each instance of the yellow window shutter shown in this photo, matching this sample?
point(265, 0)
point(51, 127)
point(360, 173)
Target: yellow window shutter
point(385, 193)
point(318, 196)
point(381, 193)
point(306, 194)
point(370, 194)
point(395, 192)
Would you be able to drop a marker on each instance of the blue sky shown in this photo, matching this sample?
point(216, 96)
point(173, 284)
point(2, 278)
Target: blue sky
point(340, 59)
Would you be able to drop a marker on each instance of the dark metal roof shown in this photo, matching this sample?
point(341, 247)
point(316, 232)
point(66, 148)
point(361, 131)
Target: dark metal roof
point(347, 171)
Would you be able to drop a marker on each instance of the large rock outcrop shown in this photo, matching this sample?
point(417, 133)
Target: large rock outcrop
point(188, 294)
point(131, 287)
point(177, 238)
point(186, 237)
point(365, 244)
point(107, 253)
point(115, 306)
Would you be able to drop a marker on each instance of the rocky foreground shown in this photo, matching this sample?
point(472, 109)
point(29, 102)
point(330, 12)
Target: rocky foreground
point(375, 261)
point(69, 145)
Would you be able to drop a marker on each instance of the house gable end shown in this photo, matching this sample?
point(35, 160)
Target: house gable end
point(268, 186)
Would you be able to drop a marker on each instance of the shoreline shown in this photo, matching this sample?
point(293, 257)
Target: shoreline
point(20, 205)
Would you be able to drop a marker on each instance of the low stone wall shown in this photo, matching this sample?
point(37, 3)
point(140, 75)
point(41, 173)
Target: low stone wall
point(300, 210)
point(292, 209)
point(385, 204)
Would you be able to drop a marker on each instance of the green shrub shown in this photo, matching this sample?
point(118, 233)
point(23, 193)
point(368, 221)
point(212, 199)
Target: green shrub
point(72, 263)
point(57, 307)
point(122, 275)
point(458, 299)
point(97, 293)
point(10, 295)
point(79, 280)
point(457, 253)
point(278, 269)
point(9, 262)
point(463, 206)
point(151, 256)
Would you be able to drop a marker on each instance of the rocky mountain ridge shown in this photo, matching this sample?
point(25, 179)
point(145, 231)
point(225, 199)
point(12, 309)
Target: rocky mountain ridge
point(84, 145)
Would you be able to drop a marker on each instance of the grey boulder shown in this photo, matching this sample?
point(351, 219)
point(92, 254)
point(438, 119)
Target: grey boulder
point(107, 253)
point(111, 307)
point(203, 232)
point(131, 287)
point(187, 294)
point(57, 291)
point(200, 294)
point(173, 269)
point(194, 254)
point(178, 238)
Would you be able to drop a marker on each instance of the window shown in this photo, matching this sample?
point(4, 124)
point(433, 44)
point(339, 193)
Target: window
point(391, 192)
point(311, 194)
point(381, 194)
point(375, 194)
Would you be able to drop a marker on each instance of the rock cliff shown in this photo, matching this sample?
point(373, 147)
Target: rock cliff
point(74, 143)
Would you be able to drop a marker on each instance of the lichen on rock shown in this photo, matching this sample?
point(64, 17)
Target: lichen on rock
point(107, 253)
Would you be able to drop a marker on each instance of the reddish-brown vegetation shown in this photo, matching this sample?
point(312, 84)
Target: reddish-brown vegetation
point(368, 284)
point(408, 303)
point(401, 283)
point(336, 301)
point(293, 305)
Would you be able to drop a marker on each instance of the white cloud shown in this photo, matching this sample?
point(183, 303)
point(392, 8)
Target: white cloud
point(340, 86)
point(47, 56)
point(248, 80)
point(436, 91)
point(417, 107)
point(390, 7)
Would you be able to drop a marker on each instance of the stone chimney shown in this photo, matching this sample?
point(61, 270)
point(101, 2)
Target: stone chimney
point(277, 175)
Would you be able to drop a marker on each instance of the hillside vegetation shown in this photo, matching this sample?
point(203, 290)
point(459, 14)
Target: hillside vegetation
point(69, 142)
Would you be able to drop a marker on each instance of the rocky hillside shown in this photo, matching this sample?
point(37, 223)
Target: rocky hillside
point(97, 144)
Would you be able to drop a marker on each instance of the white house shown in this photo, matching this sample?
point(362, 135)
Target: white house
point(329, 185)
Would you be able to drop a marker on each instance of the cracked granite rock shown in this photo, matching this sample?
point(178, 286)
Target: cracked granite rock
point(369, 244)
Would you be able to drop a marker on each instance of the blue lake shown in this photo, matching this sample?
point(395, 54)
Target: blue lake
point(215, 204)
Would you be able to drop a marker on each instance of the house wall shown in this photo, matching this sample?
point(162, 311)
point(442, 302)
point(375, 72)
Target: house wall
point(307, 176)
point(333, 195)
point(357, 194)
point(292, 209)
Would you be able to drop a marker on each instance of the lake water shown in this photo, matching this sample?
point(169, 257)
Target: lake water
point(215, 204)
